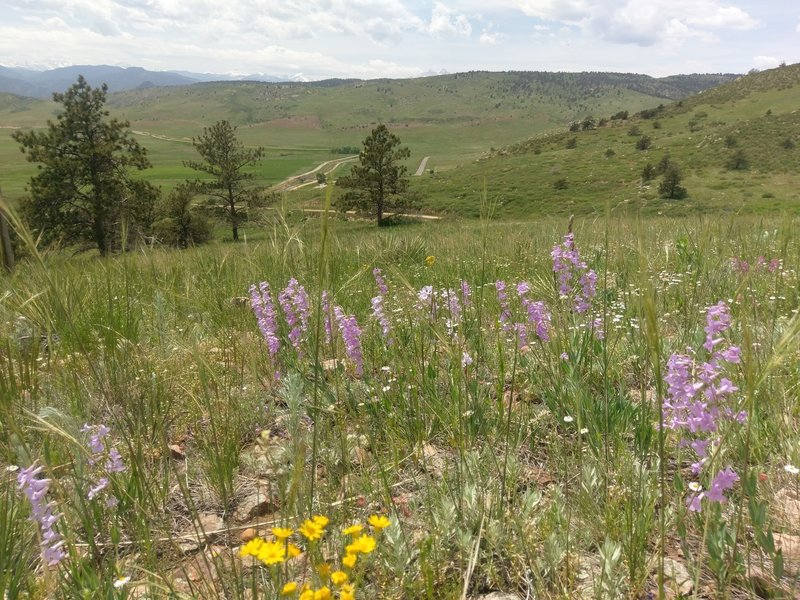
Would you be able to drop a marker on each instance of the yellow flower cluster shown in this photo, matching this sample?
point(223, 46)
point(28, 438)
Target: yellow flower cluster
point(270, 553)
point(277, 551)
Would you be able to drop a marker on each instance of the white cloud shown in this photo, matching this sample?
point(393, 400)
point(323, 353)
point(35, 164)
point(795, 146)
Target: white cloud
point(765, 62)
point(446, 21)
point(488, 38)
point(642, 22)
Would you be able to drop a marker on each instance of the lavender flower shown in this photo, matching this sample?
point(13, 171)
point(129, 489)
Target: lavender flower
point(697, 400)
point(379, 312)
point(466, 294)
point(466, 360)
point(383, 289)
point(42, 513)
point(351, 335)
point(264, 309)
point(294, 302)
point(105, 460)
point(569, 266)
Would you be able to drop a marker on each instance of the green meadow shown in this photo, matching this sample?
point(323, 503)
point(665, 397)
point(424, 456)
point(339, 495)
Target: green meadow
point(505, 403)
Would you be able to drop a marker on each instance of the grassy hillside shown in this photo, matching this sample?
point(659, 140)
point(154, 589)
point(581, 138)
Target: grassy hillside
point(452, 118)
point(737, 146)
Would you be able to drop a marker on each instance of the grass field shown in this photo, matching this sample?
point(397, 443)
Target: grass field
point(455, 118)
point(511, 445)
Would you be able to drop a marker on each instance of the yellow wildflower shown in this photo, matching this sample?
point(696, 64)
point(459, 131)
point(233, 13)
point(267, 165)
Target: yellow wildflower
point(320, 521)
point(353, 530)
point(323, 593)
point(324, 570)
point(292, 550)
point(271, 553)
point(311, 530)
point(429, 260)
point(289, 588)
point(251, 548)
point(379, 522)
point(282, 533)
point(347, 592)
point(349, 560)
point(338, 577)
point(363, 544)
point(307, 595)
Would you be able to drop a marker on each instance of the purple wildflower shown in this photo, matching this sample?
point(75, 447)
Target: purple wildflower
point(379, 312)
point(42, 513)
point(383, 289)
point(466, 359)
point(466, 294)
point(351, 335)
point(569, 266)
point(264, 309)
point(105, 460)
point(294, 302)
point(722, 482)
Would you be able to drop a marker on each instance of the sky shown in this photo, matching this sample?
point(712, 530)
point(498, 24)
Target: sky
point(319, 39)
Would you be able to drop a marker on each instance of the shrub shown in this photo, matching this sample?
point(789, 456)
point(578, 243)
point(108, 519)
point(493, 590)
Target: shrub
point(572, 143)
point(644, 142)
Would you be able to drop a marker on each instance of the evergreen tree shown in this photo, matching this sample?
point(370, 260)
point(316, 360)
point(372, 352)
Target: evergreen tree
point(83, 191)
point(670, 186)
point(378, 183)
point(231, 190)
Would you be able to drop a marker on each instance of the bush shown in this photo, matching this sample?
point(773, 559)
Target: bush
point(572, 143)
point(610, 152)
point(738, 161)
point(787, 144)
point(560, 184)
point(670, 187)
point(634, 131)
point(644, 142)
point(648, 172)
point(179, 223)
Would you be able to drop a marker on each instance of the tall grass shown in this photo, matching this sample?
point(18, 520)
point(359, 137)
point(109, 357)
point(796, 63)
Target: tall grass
point(538, 469)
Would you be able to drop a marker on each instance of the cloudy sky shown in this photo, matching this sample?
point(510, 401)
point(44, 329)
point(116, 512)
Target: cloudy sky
point(402, 38)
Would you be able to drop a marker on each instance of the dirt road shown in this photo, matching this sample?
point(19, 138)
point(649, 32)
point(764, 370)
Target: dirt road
point(421, 168)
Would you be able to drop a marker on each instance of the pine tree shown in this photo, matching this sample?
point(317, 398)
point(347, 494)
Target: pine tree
point(83, 191)
point(378, 183)
point(231, 189)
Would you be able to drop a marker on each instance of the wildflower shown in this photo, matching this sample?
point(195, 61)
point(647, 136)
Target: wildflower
point(364, 544)
point(347, 592)
point(338, 577)
point(121, 582)
point(289, 588)
point(324, 570)
point(349, 560)
point(323, 593)
point(282, 533)
point(321, 520)
point(294, 302)
point(466, 360)
point(791, 469)
point(353, 530)
point(105, 460)
point(313, 529)
point(351, 334)
point(293, 551)
point(379, 313)
point(380, 281)
point(722, 482)
point(379, 522)
point(307, 595)
point(568, 419)
point(264, 309)
point(466, 294)
point(270, 553)
point(42, 512)
point(505, 310)
point(429, 260)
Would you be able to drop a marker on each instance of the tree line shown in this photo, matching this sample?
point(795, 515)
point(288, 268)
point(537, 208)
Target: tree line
point(86, 192)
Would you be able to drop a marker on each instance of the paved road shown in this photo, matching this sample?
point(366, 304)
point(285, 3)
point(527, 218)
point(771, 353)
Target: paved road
point(421, 168)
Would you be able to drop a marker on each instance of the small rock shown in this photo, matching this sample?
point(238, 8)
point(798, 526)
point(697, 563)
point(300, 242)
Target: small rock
point(786, 506)
point(255, 505)
point(248, 534)
point(177, 452)
point(790, 545)
point(498, 596)
point(433, 461)
point(678, 580)
point(206, 529)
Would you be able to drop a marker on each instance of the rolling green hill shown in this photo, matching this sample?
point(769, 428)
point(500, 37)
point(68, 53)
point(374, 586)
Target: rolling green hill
point(737, 147)
point(452, 118)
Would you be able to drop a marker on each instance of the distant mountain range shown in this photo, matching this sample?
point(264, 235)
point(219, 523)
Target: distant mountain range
point(42, 84)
